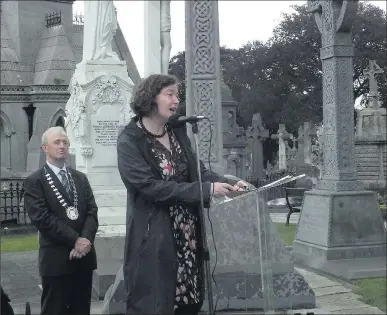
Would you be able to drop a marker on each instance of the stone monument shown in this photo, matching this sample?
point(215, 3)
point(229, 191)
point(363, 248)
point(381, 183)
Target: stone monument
point(340, 229)
point(203, 79)
point(258, 134)
point(282, 136)
point(98, 107)
point(371, 143)
point(157, 40)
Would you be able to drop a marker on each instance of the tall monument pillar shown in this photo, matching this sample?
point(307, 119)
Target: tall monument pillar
point(340, 230)
point(203, 80)
point(152, 29)
point(157, 40)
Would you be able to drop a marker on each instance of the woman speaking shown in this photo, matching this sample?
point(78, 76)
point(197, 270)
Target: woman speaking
point(163, 264)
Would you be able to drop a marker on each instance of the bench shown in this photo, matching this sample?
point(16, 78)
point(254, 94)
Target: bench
point(294, 198)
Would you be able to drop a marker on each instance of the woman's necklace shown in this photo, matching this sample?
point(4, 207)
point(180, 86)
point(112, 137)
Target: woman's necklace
point(150, 133)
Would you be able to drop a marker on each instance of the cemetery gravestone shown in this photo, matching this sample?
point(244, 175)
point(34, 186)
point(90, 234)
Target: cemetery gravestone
point(258, 134)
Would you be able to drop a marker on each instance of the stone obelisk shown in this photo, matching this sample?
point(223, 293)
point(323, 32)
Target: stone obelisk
point(340, 230)
point(97, 109)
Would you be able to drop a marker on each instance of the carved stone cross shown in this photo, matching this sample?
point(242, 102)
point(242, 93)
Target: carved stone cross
point(334, 19)
point(371, 72)
point(282, 135)
point(258, 134)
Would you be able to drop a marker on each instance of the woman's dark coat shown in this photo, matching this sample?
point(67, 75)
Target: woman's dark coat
point(150, 260)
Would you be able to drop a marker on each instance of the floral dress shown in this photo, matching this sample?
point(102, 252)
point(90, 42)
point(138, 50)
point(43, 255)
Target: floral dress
point(173, 166)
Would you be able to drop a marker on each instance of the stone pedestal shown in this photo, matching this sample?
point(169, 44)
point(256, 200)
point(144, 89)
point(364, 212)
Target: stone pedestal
point(341, 233)
point(96, 111)
point(371, 148)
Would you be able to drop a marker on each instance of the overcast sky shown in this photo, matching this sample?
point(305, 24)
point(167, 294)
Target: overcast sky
point(239, 22)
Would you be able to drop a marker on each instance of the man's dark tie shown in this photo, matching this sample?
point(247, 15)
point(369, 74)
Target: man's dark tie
point(65, 182)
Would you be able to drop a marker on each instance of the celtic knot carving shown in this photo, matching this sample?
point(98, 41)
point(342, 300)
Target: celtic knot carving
point(203, 43)
point(204, 98)
point(333, 16)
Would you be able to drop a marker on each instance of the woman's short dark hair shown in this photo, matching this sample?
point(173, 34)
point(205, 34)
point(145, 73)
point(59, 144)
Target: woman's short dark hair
point(143, 99)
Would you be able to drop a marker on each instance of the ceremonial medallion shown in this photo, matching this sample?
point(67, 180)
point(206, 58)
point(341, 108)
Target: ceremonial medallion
point(72, 213)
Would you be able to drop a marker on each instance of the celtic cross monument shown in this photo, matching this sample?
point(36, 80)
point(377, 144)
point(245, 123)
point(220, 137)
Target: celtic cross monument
point(340, 229)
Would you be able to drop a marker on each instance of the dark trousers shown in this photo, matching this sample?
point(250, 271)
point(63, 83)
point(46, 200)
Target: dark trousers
point(190, 309)
point(65, 295)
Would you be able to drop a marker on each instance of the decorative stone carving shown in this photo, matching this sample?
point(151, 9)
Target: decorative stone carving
point(371, 72)
point(334, 20)
point(78, 120)
point(99, 29)
point(108, 93)
point(86, 151)
point(203, 77)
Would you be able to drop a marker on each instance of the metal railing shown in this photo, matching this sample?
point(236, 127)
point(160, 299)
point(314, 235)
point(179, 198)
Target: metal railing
point(12, 211)
point(78, 19)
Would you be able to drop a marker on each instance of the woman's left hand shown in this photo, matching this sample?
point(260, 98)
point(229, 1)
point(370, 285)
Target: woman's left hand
point(241, 185)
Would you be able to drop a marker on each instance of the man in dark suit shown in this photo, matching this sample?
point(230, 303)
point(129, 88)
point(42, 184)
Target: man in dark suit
point(61, 205)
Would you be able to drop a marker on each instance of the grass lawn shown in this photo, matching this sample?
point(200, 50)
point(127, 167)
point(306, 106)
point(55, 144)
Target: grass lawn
point(373, 291)
point(18, 243)
point(286, 233)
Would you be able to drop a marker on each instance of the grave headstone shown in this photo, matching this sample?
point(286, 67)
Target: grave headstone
point(258, 135)
point(340, 230)
point(282, 136)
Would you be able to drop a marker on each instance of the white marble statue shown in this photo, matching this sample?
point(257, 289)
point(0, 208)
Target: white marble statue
point(99, 29)
point(165, 34)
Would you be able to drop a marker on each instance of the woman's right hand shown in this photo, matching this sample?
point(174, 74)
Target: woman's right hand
point(221, 189)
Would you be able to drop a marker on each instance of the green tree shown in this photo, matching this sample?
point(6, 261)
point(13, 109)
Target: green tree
point(282, 78)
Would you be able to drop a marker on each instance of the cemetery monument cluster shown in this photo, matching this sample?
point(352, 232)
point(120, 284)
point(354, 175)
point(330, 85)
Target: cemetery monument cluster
point(335, 234)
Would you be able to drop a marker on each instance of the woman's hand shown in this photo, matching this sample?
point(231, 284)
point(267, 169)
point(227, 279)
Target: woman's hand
point(221, 189)
point(240, 185)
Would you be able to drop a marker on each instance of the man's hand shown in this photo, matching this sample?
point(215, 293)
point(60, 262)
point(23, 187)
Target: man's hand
point(82, 245)
point(221, 189)
point(81, 248)
point(240, 185)
point(75, 255)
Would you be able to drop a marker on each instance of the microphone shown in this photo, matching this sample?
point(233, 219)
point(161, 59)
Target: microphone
point(177, 120)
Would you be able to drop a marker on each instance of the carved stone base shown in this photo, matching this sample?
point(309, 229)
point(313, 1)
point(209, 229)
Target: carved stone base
point(341, 234)
point(109, 244)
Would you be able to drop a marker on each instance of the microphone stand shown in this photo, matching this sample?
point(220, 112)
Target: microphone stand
point(206, 253)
